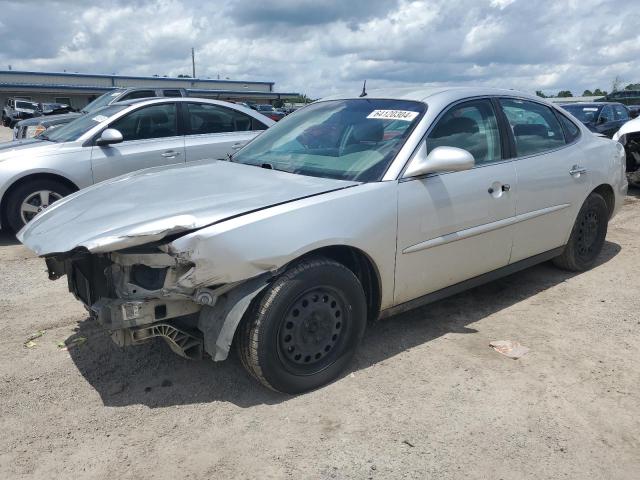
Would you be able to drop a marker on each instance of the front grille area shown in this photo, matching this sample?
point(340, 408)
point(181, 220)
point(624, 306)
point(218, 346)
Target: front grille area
point(89, 278)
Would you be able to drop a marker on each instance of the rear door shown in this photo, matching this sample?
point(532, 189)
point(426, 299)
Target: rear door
point(455, 226)
point(551, 182)
point(213, 131)
point(621, 115)
point(606, 124)
point(151, 138)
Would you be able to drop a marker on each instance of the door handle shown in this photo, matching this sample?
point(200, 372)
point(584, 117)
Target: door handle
point(170, 154)
point(505, 188)
point(577, 170)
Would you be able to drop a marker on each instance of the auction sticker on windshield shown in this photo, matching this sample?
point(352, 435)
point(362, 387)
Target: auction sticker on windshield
point(405, 115)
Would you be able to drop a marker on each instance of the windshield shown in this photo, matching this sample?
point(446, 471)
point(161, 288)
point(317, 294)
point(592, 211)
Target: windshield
point(73, 130)
point(102, 100)
point(27, 105)
point(344, 139)
point(584, 113)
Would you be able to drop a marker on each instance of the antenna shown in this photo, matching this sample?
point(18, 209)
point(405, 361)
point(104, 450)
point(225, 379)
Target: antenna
point(364, 89)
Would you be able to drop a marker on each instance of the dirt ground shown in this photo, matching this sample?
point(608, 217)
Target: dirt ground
point(425, 398)
point(5, 134)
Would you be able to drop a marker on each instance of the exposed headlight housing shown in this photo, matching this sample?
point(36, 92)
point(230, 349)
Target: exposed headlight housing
point(34, 130)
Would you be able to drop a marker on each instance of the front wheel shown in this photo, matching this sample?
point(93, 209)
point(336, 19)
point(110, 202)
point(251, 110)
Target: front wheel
point(587, 236)
point(32, 197)
point(303, 330)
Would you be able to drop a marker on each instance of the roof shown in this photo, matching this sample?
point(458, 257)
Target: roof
point(423, 93)
point(574, 99)
point(129, 77)
point(584, 104)
point(92, 89)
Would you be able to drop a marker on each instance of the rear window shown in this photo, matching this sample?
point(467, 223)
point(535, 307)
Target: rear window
point(584, 113)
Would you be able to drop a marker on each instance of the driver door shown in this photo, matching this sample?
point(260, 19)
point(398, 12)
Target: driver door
point(454, 226)
point(151, 139)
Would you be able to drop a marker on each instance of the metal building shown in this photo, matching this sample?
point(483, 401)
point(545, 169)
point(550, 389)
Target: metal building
point(78, 89)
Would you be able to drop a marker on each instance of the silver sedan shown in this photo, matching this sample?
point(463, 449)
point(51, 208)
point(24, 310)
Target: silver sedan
point(351, 209)
point(114, 140)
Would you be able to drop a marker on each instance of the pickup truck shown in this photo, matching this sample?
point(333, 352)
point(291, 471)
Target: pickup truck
point(15, 109)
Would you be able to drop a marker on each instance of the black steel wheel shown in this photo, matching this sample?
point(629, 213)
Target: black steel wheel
point(587, 236)
point(302, 331)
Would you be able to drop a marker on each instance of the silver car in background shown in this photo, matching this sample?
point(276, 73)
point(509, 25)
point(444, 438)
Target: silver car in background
point(115, 140)
point(348, 210)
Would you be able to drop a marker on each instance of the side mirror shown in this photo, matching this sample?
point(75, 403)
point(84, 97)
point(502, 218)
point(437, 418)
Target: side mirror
point(633, 113)
point(440, 159)
point(109, 137)
point(603, 120)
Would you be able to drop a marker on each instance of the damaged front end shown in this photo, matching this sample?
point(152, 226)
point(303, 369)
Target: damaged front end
point(142, 293)
point(629, 137)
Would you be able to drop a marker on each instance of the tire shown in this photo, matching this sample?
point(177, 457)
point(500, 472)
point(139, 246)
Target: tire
point(587, 236)
point(303, 330)
point(5, 122)
point(26, 192)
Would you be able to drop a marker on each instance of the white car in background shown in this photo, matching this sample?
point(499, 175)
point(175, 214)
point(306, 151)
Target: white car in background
point(348, 210)
point(629, 137)
point(117, 139)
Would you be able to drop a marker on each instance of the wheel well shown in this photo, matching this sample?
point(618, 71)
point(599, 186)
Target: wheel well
point(362, 267)
point(607, 193)
point(30, 178)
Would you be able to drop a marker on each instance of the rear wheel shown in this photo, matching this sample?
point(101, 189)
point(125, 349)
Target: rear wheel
point(30, 198)
point(587, 236)
point(304, 328)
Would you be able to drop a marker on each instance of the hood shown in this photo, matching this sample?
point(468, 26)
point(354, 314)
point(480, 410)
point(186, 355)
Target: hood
point(33, 145)
point(148, 205)
point(49, 119)
point(632, 126)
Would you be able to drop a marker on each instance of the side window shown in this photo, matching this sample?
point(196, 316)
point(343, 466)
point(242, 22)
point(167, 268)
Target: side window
point(571, 130)
point(535, 128)
point(171, 93)
point(606, 114)
point(203, 118)
point(139, 94)
point(257, 125)
point(471, 126)
point(621, 113)
point(155, 121)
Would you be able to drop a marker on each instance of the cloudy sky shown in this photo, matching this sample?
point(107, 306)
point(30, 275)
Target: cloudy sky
point(319, 47)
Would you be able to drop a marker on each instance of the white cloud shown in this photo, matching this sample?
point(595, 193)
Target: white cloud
point(322, 47)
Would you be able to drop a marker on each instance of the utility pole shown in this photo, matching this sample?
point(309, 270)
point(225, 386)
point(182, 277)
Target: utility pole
point(193, 62)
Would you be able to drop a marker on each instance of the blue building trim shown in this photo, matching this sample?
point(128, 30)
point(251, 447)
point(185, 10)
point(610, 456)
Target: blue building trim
point(81, 88)
point(128, 77)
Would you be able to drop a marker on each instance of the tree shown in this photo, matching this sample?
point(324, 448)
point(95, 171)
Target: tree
point(587, 93)
point(184, 76)
point(633, 86)
point(565, 93)
point(599, 93)
point(278, 103)
point(540, 93)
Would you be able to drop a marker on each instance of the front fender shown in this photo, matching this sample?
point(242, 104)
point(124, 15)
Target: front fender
point(362, 217)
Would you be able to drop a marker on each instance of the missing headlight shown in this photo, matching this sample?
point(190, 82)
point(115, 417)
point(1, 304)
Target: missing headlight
point(147, 277)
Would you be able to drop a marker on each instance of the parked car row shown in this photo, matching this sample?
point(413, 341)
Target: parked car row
point(16, 109)
point(348, 210)
point(113, 140)
point(36, 126)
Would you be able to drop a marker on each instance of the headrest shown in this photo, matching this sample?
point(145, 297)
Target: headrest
point(160, 116)
point(454, 126)
point(530, 129)
point(368, 131)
